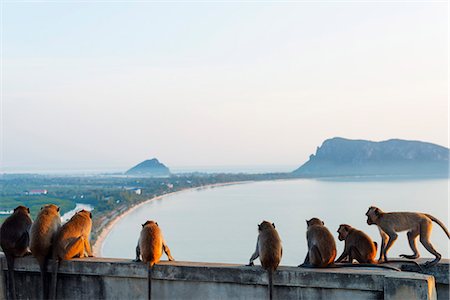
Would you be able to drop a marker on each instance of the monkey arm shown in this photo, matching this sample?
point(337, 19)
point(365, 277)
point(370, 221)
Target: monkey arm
point(138, 252)
point(343, 255)
point(167, 251)
point(254, 255)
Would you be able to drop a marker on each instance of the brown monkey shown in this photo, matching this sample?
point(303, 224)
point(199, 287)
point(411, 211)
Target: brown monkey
point(321, 245)
point(269, 250)
point(43, 233)
point(415, 223)
point(15, 241)
point(72, 240)
point(150, 247)
point(358, 245)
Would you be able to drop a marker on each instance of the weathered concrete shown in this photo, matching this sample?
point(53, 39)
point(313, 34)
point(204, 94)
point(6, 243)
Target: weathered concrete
point(100, 278)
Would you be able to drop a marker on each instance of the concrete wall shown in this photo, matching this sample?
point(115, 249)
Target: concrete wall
point(101, 278)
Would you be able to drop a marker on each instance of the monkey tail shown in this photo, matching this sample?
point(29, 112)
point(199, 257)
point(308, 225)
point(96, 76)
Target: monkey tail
point(270, 273)
point(439, 223)
point(54, 278)
point(149, 279)
point(11, 280)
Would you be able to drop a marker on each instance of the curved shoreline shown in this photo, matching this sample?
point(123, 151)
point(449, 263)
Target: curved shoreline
point(98, 245)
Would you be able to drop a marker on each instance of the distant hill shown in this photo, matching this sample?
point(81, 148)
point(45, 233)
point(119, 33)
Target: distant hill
point(344, 157)
point(150, 167)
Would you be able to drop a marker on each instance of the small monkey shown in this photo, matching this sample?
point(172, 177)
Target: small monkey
point(358, 245)
point(321, 245)
point(72, 240)
point(15, 241)
point(269, 250)
point(150, 247)
point(43, 234)
point(417, 224)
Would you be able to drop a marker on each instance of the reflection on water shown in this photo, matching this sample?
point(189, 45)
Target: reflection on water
point(220, 224)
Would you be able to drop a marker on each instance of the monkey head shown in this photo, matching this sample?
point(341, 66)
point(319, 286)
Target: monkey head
point(343, 231)
point(373, 214)
point(150, 222)
point(51, 207)
point(314, 221)
point(265, 225)
point(84, 214)
point(22, 209)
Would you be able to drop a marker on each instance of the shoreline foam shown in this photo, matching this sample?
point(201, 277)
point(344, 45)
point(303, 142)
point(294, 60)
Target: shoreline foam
point(98, 245)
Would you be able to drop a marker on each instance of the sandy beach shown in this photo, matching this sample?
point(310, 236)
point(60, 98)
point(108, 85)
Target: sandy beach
point(97, 247)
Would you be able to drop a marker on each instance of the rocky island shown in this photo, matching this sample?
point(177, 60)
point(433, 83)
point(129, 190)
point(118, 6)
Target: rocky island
point(149, 168)
point(345, 157)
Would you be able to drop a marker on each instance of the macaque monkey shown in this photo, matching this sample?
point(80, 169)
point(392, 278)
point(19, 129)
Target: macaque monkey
point(150, 247)
point(269, 250)
point(321, 245)
point(72, 240)
point(15, 241)
point(417, 224)
point(43, 234)
point(358, 245)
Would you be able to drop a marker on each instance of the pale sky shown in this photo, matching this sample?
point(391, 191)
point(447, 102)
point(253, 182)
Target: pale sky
point(106, 85)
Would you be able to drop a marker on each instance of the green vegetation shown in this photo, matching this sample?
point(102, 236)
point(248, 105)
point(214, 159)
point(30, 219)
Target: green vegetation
point(110, 195)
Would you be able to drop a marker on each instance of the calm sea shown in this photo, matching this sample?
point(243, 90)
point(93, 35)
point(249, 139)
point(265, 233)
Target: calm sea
point(220, 224)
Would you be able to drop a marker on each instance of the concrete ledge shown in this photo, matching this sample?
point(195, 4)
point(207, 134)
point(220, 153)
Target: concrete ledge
point(102, 278)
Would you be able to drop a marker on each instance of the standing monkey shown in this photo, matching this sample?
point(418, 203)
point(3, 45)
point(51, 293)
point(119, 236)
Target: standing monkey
point(269, 250)
point(43, 234)
point(415, 223)
point(358, 245)
point(150, 247)
point(15, 240)
point(321, 245)
point(72, 240)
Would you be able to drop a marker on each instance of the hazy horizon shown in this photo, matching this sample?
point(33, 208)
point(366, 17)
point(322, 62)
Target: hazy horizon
point(97, 86)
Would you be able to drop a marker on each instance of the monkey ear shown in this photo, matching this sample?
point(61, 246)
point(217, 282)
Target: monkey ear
point(90, 215)
point(143, 225)
point(323, 223)
point(273, 224)
point(259, 227)
point(42, 207)
point(156, 224)
point(28, 210)
point(57, 209)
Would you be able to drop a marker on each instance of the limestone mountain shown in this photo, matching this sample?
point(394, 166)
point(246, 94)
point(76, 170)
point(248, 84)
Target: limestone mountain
point(345, 157)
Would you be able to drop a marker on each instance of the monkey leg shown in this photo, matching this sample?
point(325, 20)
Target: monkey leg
point(343, 256)
point(412, 237)
point(425, 232)
point(75, 248)
point(354, 253)
point(315, 257)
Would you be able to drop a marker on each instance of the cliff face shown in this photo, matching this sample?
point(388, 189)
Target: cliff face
point(344, 157)
point(151, 167)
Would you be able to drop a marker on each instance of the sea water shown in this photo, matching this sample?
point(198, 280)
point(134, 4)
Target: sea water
point(219, 224)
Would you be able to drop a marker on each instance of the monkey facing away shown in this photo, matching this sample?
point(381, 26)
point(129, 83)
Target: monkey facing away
point(43, 234)
point(417, 224)
point(321, 245)
point(72, 240)
point(15, 241)
point(269, 250)
point(150, 247)
point(358, 245)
